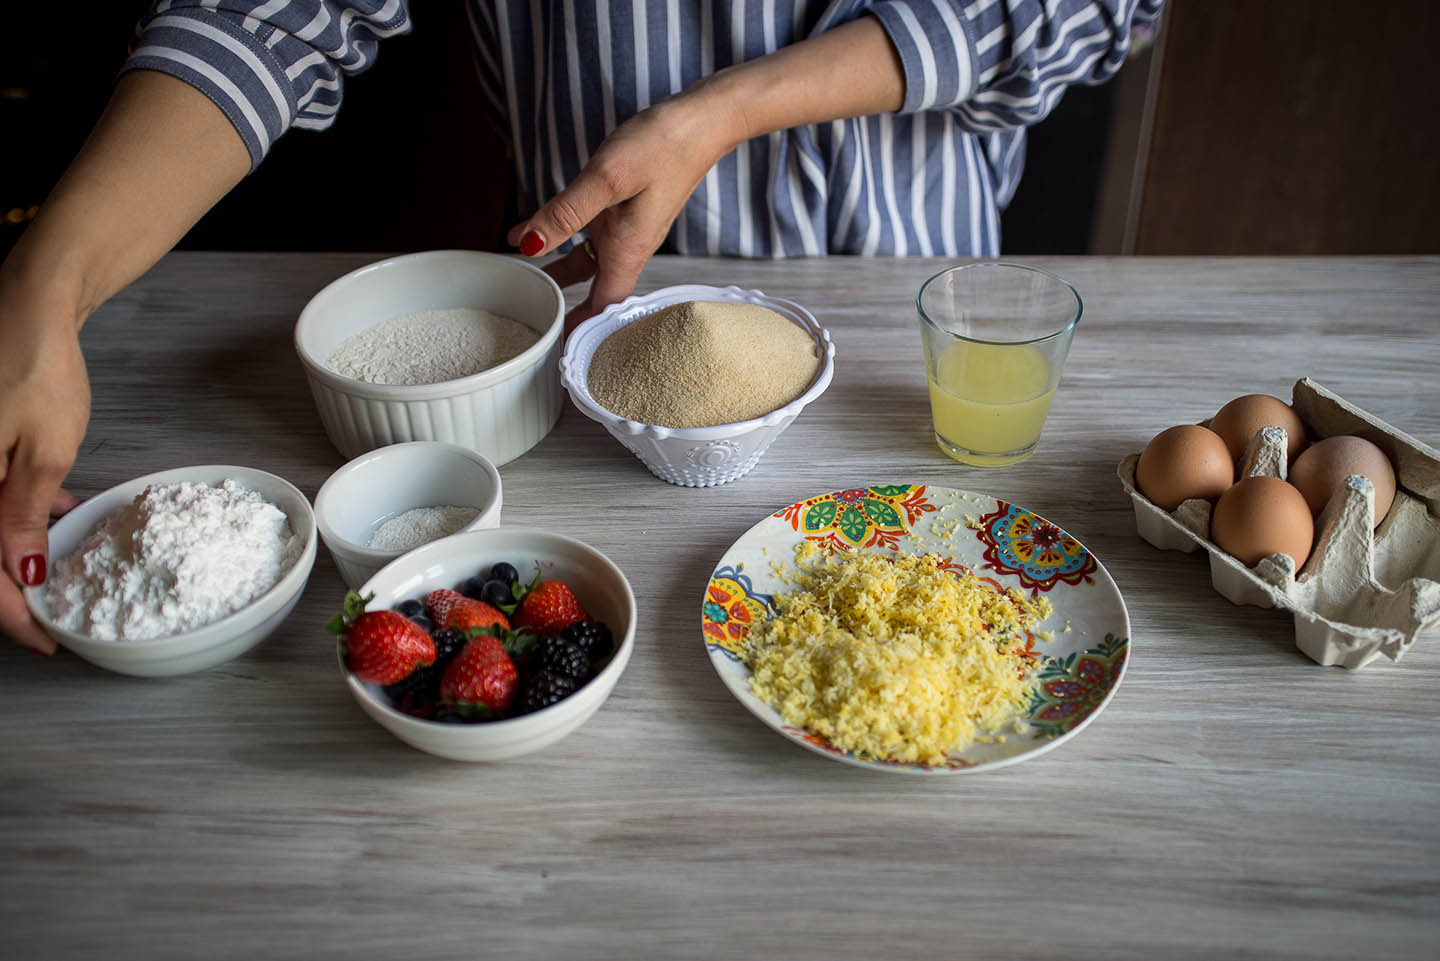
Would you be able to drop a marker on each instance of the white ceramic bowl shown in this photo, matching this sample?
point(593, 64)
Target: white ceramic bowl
point(691, 456)
point(202, 647)
point(501, 412)
point(597, 582)
point(384, 483)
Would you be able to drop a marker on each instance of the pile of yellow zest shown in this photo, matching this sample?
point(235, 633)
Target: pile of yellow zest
point(893, 657)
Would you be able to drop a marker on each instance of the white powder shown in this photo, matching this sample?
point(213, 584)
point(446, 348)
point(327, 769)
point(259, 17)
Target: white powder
point(422, 525)
point(431, 346)
point(177, 557)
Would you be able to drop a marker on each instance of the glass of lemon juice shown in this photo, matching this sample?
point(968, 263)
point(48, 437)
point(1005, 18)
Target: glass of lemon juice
point(996, 336)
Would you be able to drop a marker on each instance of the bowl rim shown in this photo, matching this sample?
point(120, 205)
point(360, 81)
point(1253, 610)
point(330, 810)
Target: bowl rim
point(364, 554)
point(603, 681)
point(516, 366)
point(678, 293)
point(290, 583)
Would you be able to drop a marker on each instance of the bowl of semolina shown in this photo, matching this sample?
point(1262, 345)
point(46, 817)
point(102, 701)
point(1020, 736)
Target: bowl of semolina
point(698, 381)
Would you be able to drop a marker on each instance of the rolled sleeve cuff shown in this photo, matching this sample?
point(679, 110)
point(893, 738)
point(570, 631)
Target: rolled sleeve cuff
point(223, 60)
point(937, 52)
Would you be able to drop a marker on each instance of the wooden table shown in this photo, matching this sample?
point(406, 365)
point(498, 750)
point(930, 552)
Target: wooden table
point(1235, 800)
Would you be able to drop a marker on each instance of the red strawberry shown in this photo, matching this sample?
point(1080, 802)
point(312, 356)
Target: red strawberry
point(380, 646)
point(481, 681)
point(449, 608)
point(547, 607)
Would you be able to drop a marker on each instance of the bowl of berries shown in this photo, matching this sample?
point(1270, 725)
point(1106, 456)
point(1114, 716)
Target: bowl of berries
point(487, 644)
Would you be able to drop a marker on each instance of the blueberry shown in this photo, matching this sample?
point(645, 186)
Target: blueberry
point(496, 593)
point(504, 572)
point(473, 587)
point(410, 608)
point(425, 623)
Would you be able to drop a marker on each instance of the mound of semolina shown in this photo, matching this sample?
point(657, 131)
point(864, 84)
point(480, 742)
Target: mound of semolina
point(894, 657)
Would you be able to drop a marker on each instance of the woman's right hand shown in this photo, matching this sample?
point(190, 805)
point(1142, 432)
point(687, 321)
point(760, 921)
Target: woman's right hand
point(44, 406)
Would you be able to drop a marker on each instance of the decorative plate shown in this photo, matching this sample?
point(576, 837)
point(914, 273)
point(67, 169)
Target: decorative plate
point(1079, 668)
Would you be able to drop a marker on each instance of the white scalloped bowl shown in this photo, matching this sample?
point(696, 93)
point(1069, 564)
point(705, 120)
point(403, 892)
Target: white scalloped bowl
point(202, 647)
point(501, 412)
point(691, 456)
point(601, 587)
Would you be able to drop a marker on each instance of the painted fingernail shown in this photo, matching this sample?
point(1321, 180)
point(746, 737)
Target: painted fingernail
point(32, 570)
point(532, 243)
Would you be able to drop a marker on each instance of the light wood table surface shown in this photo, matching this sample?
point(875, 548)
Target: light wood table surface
point(1235, 800)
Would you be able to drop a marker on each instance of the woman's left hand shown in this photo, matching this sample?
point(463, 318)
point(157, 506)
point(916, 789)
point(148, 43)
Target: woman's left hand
point(628, 195)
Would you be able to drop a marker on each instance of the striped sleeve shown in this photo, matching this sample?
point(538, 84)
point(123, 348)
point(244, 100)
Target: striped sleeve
point(1001, 64)
point(269, 65)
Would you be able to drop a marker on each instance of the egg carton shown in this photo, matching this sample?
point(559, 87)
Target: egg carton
point(1357, 596)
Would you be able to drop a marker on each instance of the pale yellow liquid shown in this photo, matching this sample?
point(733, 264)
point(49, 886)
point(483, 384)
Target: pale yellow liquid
point(989, 402)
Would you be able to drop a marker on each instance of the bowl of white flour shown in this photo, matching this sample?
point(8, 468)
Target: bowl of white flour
point(459, 346)
point(177, 571)
point(389, 501)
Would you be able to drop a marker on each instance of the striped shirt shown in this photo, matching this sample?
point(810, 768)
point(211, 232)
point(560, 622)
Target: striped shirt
point(929, 179)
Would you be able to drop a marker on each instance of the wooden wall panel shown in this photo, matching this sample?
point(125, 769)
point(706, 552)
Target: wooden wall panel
point(1294, 127)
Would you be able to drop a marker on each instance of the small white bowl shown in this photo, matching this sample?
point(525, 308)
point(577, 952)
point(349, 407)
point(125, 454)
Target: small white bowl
point(690, 456)
point(597, 582)
point(501, 412)
point(202, 647)
point(376, 486)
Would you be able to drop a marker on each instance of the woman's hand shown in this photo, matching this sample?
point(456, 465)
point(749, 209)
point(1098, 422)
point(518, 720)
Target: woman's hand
point(628, 195)
point(44, 406)
point(635, 185)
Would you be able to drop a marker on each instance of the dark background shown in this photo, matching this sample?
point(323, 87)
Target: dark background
point(444, 176)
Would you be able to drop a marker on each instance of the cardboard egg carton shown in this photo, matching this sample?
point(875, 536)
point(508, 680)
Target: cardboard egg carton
point(1357, 596)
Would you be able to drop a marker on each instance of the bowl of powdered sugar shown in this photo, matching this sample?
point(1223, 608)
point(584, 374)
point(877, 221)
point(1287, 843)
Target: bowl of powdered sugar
point(698, 381)
point(177, 571)
point(389, 501)
point(459, 346)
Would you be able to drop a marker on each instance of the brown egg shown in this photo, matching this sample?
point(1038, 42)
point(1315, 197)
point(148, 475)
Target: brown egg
point(1184, 462)
point(1321, 471)
point(1260, 516)
point(1241, 419)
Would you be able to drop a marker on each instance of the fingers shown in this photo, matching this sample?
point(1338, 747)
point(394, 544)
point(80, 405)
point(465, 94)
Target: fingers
point(579, 264)
point(16, 622)
point(30, 491)
point(565, 214)
point(64, 503)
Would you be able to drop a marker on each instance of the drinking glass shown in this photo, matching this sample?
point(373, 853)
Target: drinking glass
point(996, 336)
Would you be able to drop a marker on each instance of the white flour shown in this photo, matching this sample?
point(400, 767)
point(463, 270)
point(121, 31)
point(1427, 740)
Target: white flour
point(422, 525)
point(177, 557)
point(431, 346)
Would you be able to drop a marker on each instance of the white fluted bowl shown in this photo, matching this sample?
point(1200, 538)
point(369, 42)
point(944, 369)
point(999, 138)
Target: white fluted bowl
point(691, 456)
point(501, 412)
point(202, 647)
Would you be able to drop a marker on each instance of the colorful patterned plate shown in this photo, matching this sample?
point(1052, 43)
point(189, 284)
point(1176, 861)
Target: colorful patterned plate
point(1081, 666)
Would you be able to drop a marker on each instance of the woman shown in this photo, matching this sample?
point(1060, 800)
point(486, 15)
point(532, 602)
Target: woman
point(760, 128)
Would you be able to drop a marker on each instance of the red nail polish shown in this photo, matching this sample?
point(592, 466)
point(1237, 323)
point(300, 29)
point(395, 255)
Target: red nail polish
point(32, 570)
point(532, 243)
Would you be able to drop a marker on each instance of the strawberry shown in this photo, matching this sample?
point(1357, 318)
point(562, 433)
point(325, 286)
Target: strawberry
point(449, 608)
point(384, 647)
point(481, 681)
point(547, 607)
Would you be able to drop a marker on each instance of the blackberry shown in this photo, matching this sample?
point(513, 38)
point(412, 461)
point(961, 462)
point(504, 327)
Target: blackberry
point(496, 593)
point(505, 573)
point(448, 642)
point(544, 689)
point(473, 588)
point(410, 608)
point(593, 637)
point(555, 654)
